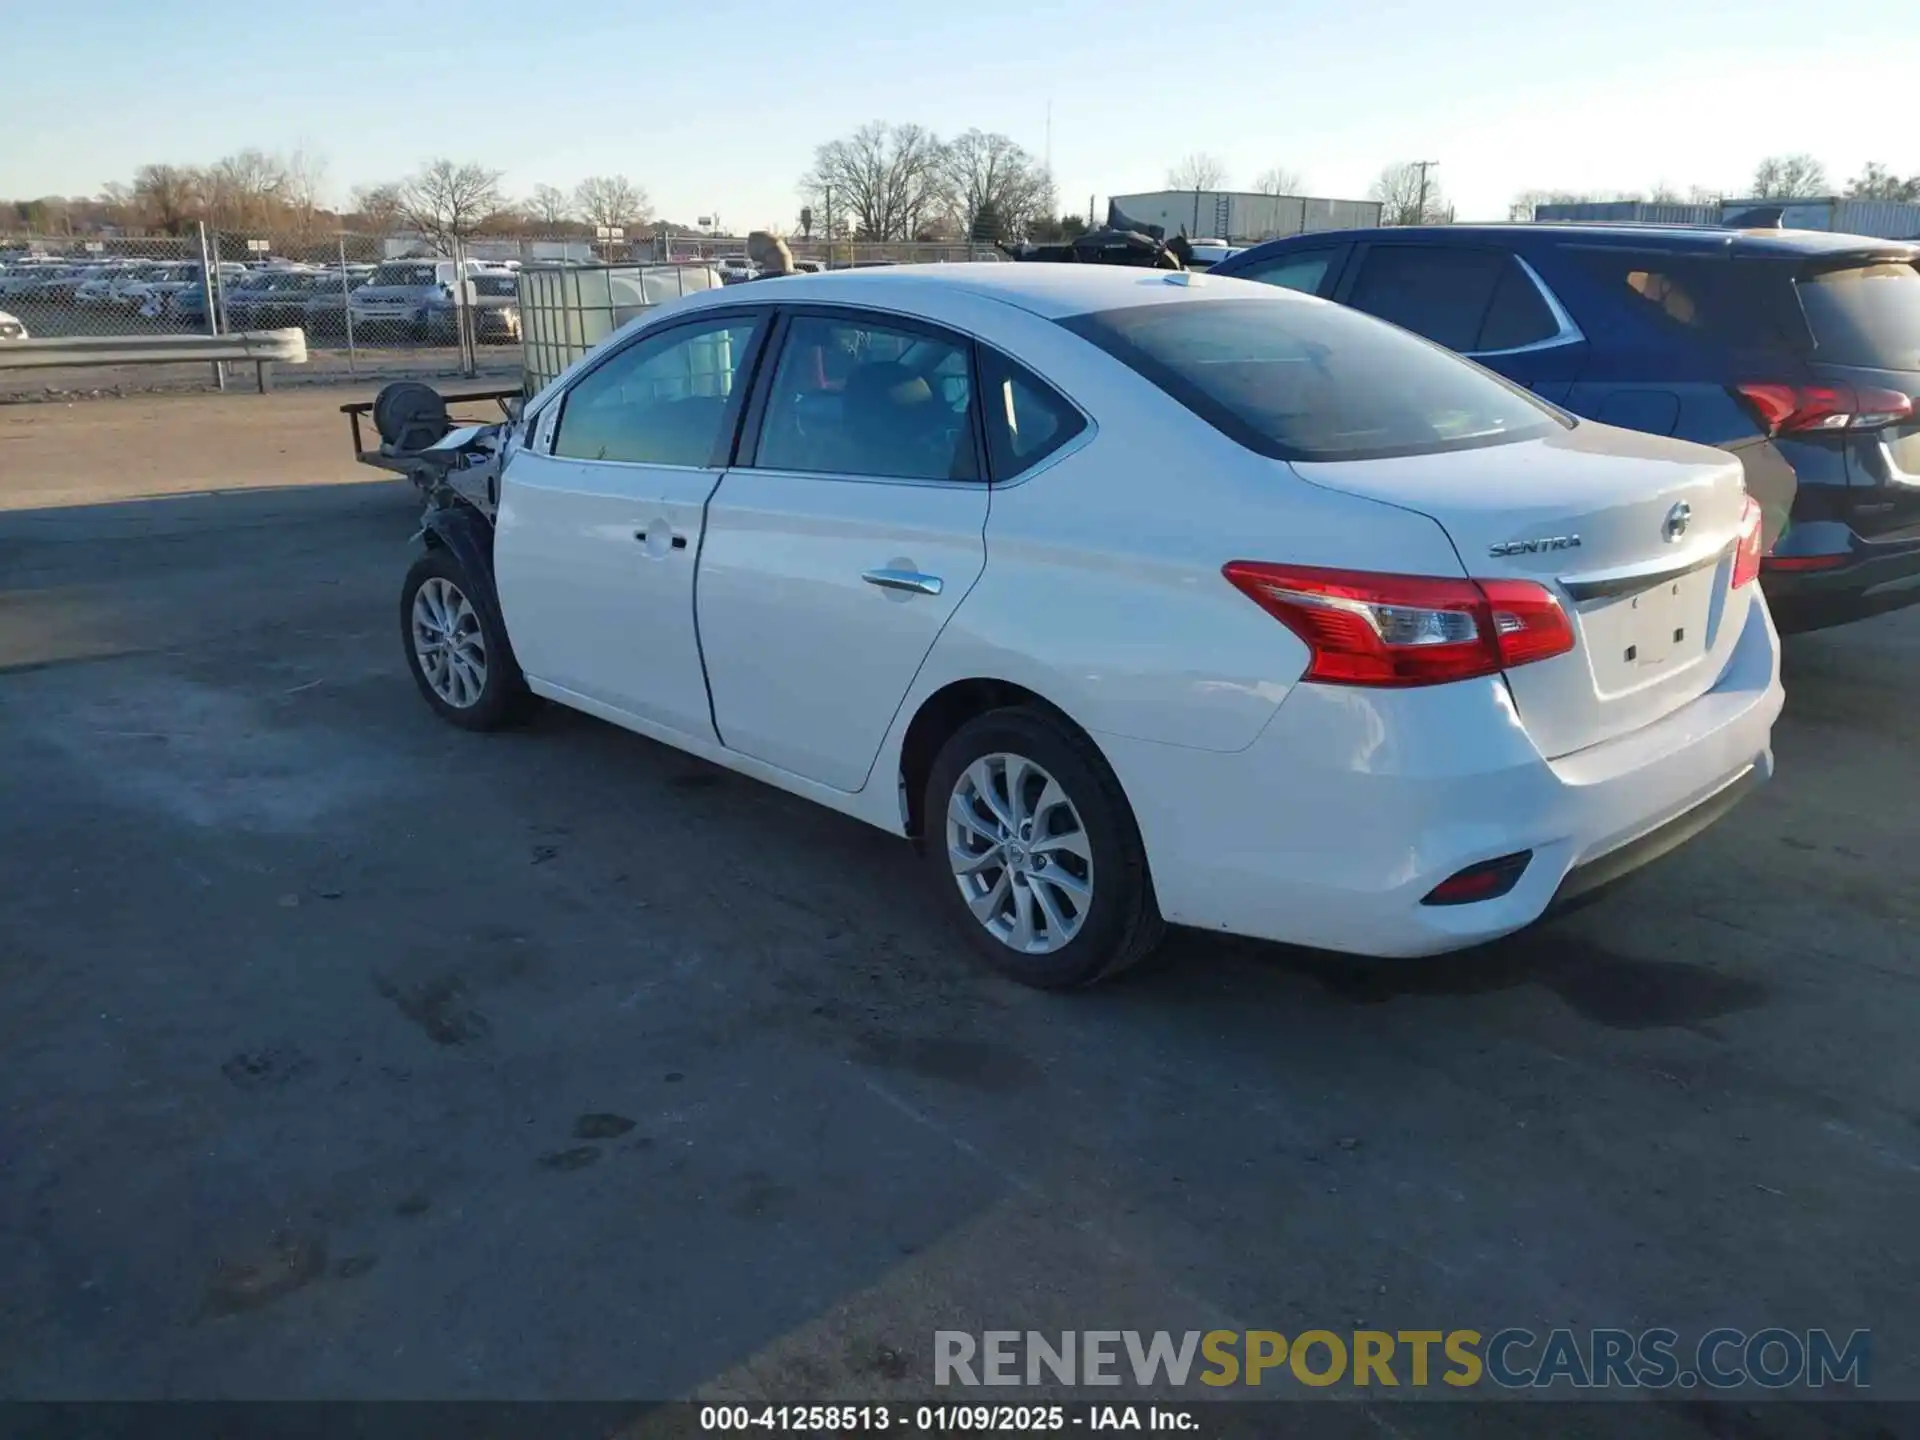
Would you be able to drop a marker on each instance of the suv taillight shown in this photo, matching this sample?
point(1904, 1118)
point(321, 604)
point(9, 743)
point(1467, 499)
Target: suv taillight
point(1403, 630)
point(1813, 409)
point(1746, 552)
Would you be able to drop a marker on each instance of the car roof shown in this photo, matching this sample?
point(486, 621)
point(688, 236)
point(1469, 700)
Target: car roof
point(1704, 239)
point(1052, 291)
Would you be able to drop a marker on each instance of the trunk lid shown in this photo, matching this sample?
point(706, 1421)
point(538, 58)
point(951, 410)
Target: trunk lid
point(1633, 532)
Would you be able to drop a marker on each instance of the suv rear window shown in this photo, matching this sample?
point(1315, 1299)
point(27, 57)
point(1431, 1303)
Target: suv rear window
point(1866, 315)
point(1300, 379)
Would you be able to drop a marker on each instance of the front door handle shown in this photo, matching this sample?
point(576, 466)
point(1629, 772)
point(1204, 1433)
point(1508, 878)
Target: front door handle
point(910, 580)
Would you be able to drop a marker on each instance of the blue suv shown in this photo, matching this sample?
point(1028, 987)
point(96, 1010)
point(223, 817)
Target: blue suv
point(1797, 351)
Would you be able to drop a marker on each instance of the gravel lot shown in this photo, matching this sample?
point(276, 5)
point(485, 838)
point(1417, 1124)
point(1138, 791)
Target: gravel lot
point(352, 1056)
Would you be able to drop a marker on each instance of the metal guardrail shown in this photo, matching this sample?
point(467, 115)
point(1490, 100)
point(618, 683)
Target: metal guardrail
point(259, 348)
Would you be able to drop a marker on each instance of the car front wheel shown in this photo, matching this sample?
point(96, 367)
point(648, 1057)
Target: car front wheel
point(457, 653)
point(1033, 848)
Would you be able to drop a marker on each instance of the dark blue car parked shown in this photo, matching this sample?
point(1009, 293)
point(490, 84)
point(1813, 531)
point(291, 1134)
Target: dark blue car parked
point(1797, 351)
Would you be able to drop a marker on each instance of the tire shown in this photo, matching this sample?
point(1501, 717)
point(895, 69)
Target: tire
point(1116, 926)
point(500, 697)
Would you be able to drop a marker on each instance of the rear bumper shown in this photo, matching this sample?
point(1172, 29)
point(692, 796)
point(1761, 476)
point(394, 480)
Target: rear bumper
point(1331, 828)
point(1882, 575)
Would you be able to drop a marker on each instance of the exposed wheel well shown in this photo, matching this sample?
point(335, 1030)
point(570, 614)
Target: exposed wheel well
point(942, 713)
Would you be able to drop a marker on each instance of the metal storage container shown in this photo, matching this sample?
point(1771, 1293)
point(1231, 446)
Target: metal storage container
point(1626, 212)
point(1882, 219)
point(567, 310)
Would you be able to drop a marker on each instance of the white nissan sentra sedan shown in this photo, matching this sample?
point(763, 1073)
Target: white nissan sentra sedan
point(1133, 598)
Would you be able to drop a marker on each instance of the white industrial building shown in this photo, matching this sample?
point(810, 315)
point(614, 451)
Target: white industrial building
point(1241, 217)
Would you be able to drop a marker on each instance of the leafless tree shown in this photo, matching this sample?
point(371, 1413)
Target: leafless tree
point(888, 180)
point(611, 200)
point(247, 190)
point(1398, 189)
point(378, 206)
point(306, 187)
point(1787, 177)
point(1876, 182)
point(165, 197)
point(1198, 171)
point(1279, 180)
point(550, 205)
point(447, 200)
point(992, 180)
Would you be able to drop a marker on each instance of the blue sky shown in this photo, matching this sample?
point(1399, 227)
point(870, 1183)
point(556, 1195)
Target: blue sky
point(716, 106)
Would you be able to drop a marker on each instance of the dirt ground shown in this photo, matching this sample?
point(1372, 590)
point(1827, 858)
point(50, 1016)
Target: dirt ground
point(352, 1056)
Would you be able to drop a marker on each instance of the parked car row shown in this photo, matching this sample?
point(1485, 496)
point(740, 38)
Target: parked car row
point(400, 299)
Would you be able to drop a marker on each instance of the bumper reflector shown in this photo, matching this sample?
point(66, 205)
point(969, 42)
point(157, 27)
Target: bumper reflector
point(1488, 880)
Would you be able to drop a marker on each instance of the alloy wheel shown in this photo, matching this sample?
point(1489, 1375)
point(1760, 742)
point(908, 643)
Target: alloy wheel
point(1020, 853)
point(449, 643)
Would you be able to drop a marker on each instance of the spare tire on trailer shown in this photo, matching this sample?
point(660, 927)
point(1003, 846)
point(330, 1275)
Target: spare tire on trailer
point(409, 415)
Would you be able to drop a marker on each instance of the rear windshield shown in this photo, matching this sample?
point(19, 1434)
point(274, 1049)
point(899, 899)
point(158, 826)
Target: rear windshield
point(1867, 315)
point(1299, 379)
point(414, 275)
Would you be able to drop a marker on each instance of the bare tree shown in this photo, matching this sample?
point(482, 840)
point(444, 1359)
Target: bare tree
point(1198, 171)
point(550, 205)
point(247, 190)
point(378, 206)
point(995, 185)
point(1876, 182)
point(1279, 180)
point(611, 200)
point(447, 200)
point(888, 180)
point(165, 197)
point(306, 186)
point(1787, 177)
point(1399, 190)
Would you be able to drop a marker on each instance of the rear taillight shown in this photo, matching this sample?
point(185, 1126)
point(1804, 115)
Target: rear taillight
point(1746, 551)
point(1813, 409)
point(1401, 630)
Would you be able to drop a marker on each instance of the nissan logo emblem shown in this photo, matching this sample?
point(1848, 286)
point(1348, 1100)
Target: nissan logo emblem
point(1678, 518)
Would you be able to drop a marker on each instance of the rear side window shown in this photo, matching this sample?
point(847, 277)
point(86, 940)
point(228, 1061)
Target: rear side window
point(1027, 420)
point(1440, 292)
point(1298, 379)
point(1517, 316)
point(1866, 315)
point(1743, 304)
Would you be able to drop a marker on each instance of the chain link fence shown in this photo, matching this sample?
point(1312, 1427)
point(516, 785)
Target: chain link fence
point(373, 307)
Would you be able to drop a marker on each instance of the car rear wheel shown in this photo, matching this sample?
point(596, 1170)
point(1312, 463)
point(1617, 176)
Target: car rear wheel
point(456, 652)
point(1033, 848)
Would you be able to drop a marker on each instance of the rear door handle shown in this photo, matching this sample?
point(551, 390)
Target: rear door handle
point(679, 542)
point(909, 580)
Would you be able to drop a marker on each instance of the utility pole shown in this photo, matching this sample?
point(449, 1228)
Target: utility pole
point(1423, 166)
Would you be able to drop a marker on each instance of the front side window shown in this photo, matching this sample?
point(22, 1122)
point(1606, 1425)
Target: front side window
point(1298, 379)
point(1302, 270)
point(661, 401)
point(852, 397)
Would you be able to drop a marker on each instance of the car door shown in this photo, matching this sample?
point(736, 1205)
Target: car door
point(843, 540)
point(1483, 302)
point(599, 524)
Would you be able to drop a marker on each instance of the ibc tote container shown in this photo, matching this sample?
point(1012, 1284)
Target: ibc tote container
point(565, 311)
